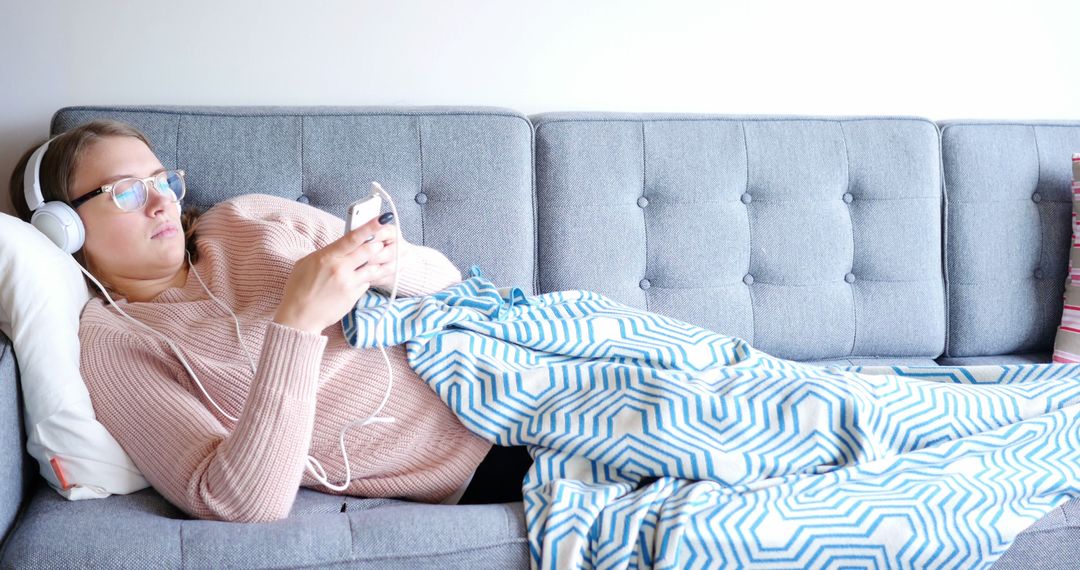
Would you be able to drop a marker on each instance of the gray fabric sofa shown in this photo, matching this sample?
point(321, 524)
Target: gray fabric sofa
point(834, 240)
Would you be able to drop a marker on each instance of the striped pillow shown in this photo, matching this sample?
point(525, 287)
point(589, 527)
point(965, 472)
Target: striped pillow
point(1067, 343)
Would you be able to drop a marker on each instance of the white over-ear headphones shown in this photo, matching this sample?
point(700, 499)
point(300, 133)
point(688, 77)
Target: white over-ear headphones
point(56, 219)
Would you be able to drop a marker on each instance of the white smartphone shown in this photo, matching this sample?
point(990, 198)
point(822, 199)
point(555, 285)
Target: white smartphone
point(362, 211)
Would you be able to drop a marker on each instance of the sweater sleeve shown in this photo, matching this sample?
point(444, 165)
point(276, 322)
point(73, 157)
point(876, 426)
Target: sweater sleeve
point(424, 271)
point(249, 475)
point(280, 217)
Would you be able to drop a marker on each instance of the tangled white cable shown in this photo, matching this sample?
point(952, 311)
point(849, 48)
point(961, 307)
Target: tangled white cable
point(313, 465)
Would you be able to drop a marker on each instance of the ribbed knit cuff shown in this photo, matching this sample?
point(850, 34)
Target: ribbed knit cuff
point(257, 469)
point(290, 360)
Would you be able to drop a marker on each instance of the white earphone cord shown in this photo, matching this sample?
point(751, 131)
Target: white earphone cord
point(313, 466)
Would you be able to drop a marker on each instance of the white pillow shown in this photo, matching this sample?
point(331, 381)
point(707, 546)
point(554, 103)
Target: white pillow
point(42, 294)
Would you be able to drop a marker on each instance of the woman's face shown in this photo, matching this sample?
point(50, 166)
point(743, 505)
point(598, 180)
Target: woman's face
point(123, 246)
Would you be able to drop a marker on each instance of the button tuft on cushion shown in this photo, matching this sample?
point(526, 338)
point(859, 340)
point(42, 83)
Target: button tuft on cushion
point(1036, 197)
point(642, 201)
point(1039, 273)
point(303, 199)
point(644, 284)
point(848, 197)
point(850, 278)
point(421, 198)
point(748, 279)
point(746, 199)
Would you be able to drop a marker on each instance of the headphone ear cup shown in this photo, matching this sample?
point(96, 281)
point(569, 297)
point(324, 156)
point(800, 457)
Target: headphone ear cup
point(179, 208)
point(61, 224)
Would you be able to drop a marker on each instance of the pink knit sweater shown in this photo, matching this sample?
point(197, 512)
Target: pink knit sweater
point(306, 389)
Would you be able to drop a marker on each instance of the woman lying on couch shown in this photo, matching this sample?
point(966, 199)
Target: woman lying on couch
point(251, 293)
point(656, 442)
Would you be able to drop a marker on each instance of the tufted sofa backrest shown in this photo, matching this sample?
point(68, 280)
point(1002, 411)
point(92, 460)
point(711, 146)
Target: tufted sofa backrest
point(1007, 187)
point(461, 177)
point(810, 237)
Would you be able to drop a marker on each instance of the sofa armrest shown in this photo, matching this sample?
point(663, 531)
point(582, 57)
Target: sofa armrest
point(5, 348)
point(15, 468)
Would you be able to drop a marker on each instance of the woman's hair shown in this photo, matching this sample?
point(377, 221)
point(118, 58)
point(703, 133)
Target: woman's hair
point(59, 163)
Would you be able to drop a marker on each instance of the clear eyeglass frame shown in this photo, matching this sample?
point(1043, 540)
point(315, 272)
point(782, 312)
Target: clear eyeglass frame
point(124, 194)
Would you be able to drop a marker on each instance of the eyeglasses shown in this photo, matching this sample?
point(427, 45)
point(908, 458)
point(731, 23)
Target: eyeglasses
point(130, 194)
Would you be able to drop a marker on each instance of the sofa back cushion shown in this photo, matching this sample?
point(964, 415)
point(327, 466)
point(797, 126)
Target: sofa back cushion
point(461, 177)
point(809, 237)
point(1009, 206)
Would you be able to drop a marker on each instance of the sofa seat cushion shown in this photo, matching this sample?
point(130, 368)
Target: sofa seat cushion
point(142, 530)
point(1052, 542)
point(1027, 358)
point(873, 361)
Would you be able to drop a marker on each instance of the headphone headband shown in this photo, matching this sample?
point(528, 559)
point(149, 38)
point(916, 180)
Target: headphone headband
point(31, 177)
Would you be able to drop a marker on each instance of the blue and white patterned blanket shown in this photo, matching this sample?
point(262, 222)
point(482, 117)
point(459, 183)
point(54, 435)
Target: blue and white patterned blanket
point(658, 444)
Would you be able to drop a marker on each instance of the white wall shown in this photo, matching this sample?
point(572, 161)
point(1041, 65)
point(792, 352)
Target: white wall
point(939, 59)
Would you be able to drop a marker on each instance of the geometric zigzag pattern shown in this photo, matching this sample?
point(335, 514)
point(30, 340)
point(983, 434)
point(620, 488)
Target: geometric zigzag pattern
point(659, 444)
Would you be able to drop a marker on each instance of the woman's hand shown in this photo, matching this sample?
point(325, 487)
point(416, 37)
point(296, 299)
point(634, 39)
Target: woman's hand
point(325, 284)
point(385, 258)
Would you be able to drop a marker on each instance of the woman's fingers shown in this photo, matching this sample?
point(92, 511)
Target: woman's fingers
point(363, 255)
point(373, 226)
point(387, 234)
point(347, 243)
point(387, 253)
point(368, 273)
point(361, 236)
